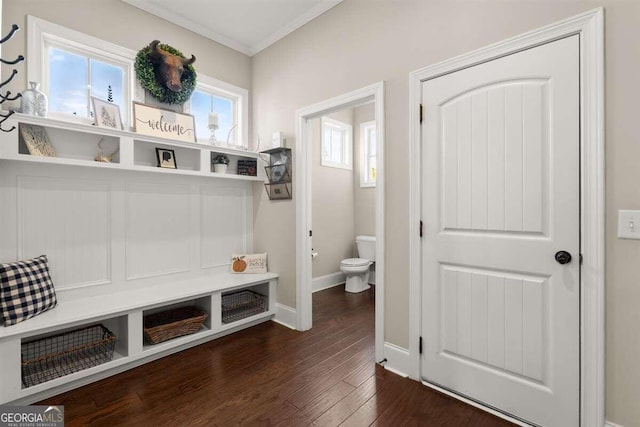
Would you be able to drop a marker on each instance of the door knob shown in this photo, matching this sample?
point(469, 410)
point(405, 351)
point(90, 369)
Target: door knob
point(563, 257)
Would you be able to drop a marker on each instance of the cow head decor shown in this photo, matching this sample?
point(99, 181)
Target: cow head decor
point(169, 67)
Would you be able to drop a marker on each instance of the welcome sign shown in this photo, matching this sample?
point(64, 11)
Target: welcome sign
point(154, 121)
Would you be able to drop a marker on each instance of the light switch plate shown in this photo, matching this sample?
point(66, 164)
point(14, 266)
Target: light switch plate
point(628, 224)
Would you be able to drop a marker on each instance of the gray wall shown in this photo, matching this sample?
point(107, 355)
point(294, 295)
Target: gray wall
point(362, 41)
point(332, 205)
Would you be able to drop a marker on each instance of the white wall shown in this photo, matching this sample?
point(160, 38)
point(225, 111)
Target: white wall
point(332, 205)
point(360, 42)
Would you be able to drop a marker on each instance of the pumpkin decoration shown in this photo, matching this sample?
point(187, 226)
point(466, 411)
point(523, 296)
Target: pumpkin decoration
point(239, 265)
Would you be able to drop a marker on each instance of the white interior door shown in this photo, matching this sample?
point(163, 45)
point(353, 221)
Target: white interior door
point(500, 197)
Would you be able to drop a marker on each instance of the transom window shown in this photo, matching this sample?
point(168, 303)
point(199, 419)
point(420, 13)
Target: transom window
point(229, 102)
point(73, 78)
point(368, 154)
point(73, 67)
point(337, 145)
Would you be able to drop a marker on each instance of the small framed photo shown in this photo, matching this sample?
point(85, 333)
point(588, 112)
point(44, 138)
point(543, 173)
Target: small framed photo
point(37, 141)
point(106, 114)
point(166, 158)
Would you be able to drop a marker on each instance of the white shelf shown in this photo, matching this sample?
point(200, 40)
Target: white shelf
point(73, 149)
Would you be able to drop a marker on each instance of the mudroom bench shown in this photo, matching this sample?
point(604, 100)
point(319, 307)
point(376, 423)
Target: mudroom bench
point(121, 310)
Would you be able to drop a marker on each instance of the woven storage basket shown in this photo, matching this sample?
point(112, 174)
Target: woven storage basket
point(165, 325)
point(52, 357)
point(239, 305)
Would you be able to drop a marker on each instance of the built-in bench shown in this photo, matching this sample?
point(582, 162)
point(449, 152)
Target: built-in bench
point(121, 309)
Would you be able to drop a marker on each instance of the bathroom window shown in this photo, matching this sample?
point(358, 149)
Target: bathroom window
point(368, 154)
point(337, 144)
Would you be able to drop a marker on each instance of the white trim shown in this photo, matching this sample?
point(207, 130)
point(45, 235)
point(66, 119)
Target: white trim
point(610, 424)
point(248, 50)
point(285, 316)
point(398, 360)
point(590, 27)
point(374, 92)
point(327, 281)
point(476, 404)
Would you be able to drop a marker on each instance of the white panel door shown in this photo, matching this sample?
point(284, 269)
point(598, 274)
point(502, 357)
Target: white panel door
point(500, 197)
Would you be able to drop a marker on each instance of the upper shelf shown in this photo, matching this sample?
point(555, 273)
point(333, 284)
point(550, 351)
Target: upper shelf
point(76, 144)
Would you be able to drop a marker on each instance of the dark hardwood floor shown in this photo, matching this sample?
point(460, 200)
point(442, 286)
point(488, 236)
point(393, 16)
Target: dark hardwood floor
point(271, 375)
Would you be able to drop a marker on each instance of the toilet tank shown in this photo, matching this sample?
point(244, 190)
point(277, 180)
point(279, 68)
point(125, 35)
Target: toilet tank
point(366, 247)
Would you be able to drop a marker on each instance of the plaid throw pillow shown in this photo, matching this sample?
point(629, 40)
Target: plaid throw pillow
point(26, 290)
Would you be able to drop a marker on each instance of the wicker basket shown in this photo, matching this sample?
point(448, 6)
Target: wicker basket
point(239, 305)
point(52, 357)
point(165, 325)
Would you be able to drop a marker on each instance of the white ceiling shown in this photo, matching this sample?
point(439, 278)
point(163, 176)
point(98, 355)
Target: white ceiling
point(247, 26)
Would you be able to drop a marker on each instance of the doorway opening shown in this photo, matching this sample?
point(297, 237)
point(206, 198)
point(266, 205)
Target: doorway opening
point(373, 94)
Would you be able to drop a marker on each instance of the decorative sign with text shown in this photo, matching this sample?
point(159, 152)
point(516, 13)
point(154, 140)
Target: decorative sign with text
point(163, 123)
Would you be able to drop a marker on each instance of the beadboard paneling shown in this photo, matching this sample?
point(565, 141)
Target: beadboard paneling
point(157, 229)
point(70, 222)
point(223, 227)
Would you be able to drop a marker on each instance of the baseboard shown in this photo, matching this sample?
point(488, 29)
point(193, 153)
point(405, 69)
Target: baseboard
point(398, 360)
point(285, 316)
point(610, 424)
point(327, 281)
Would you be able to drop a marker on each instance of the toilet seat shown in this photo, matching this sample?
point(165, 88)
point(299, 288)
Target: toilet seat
point(355, 262)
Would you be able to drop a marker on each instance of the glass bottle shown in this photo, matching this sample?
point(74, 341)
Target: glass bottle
point(34, 101)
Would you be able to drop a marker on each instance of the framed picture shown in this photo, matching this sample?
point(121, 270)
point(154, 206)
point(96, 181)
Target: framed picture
point(166, 158)
point(155, 121)
point(248, 167)
point(106, 114)
point(37, 140)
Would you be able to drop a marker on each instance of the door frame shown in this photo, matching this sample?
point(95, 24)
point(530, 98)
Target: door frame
point(590, 28)
point(303, 193)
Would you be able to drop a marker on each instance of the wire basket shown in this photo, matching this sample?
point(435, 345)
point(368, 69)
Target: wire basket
point(53, 357)
point(165, 325)
point(239, 305)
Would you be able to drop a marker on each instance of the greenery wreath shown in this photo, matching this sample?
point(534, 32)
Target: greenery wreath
point(147, 76)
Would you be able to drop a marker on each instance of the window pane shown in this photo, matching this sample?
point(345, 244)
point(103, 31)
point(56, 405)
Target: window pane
point(68, 82)
point(372, 168)
point(372, 141)
point(200, 108)
point(104, 75)
point(336, 146)
point(226, 118)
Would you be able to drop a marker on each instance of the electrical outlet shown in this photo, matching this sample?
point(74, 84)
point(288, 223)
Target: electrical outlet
point(628, 224)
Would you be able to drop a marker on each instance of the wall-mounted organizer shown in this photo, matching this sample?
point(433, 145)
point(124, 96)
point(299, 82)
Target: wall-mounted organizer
point(279, 174)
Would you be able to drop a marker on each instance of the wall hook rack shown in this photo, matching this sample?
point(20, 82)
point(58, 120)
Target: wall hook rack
point(7, 96)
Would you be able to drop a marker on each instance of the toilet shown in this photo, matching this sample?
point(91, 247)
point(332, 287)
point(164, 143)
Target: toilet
point(357, 269)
